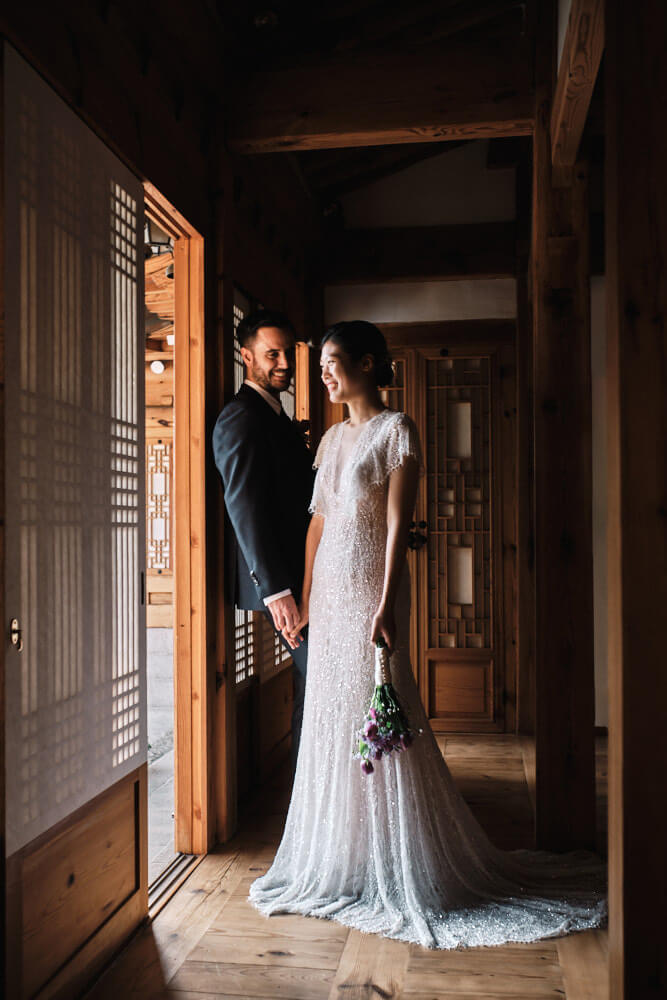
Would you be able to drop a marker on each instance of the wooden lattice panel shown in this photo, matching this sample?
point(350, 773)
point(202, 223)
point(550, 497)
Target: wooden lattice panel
point(158, 506)
point(75, 690)
point(127, 469)
point(458, 503)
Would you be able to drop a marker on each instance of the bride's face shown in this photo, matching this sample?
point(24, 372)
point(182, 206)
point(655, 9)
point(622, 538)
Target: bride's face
point(344, 379)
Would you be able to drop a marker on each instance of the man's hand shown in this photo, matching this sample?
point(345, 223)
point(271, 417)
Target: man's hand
point(302, 622)
point(286, 617)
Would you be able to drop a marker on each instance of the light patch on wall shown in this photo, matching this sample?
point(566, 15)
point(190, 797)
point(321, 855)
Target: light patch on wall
point(453, 188)
point(422, 301)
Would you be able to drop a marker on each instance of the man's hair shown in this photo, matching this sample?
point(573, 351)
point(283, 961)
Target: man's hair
point(247, 329)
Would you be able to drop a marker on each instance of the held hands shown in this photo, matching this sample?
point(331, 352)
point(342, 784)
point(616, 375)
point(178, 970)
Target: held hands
point(287, 619)
point(302, 622)
point(384, 627)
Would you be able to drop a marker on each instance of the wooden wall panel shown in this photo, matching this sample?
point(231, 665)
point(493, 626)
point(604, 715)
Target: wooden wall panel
point(274, 722)
point(76, 892)
point(636, 249)
point(461, 692)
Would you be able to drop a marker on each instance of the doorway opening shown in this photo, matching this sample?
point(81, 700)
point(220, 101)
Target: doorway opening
point(175, 529)
point(159, 591)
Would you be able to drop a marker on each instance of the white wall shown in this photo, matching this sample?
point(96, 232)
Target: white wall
point(599, 415)
point(421, 301)
point(454, 187)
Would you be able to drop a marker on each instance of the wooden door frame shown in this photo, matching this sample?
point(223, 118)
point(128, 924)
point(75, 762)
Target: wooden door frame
point(192, 758)
point(487, 337)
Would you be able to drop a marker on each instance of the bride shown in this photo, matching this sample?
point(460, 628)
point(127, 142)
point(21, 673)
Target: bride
point(396, 852)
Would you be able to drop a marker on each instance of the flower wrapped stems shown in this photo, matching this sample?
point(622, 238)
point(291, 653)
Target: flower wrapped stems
point(386, 727)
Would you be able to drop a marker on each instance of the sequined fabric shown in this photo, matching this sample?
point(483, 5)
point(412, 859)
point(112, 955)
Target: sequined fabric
point(397, 852)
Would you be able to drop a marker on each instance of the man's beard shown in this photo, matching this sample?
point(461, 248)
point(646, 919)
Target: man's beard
point(263, 380)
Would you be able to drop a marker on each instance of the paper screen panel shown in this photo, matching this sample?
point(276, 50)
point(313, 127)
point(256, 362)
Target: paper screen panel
point(76, 718)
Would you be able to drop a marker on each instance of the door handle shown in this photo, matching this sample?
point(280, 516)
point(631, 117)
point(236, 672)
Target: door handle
point(417, 536)
point(16, 635)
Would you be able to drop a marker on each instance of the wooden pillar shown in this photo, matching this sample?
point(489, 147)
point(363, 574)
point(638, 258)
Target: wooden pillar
point(525, 473)
point(636, 248)
point(564, 690)
point(220, 388)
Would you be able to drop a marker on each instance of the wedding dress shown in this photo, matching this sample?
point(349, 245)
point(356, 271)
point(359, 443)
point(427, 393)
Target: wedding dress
point(396, 852)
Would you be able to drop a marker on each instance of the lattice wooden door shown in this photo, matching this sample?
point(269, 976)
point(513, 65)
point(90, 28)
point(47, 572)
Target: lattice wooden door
point(75, 687)
point(459, 618)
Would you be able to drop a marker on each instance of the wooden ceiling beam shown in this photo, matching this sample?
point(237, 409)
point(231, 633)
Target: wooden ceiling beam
point(479, 89)
point(579, 65)
point(420, 253)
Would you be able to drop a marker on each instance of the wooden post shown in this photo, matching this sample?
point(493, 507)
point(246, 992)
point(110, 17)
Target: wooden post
point(525, 476)
point(221, 388)
point(636, 246)
point(564, 747)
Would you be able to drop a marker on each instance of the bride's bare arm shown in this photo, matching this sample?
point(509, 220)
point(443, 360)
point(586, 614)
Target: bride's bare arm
point(312, 542)
point(400, 506)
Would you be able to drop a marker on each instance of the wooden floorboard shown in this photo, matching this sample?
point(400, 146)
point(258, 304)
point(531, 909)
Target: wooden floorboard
point(209, 942)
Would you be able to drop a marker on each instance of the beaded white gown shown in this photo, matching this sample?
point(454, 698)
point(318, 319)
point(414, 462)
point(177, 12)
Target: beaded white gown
point(396, 852)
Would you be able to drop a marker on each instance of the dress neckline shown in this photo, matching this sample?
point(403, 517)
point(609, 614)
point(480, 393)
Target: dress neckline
point(346, 422)
point(353, 450)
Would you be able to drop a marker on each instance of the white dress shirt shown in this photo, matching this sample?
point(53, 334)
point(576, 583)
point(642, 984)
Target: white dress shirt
point(277, 408)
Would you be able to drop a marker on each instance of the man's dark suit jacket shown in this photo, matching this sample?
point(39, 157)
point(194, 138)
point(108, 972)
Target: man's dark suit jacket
point(267, 476)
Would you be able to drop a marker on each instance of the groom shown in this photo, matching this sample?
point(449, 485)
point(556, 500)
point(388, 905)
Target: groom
point(267, 477)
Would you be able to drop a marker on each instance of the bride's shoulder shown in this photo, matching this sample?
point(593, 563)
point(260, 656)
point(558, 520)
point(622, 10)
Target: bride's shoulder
point(400, 439)
point(396, 421)
point(324, 443)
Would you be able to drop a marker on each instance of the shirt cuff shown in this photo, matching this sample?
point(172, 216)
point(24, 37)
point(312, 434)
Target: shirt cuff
point(274, 597)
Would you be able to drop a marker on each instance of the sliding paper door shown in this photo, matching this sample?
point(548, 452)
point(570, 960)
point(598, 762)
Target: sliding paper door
point(75, 675)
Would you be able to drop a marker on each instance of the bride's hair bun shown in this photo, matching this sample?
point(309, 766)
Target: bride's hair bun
point(358, 338)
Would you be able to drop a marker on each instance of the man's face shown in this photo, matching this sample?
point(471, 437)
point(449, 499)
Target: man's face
point(270, 359)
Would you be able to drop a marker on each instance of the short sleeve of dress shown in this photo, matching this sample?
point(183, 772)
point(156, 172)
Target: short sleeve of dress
point(403, 443)
point(318, 501)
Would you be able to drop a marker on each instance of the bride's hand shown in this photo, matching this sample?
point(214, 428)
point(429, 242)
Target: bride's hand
point(384, 627)
point(292, 635)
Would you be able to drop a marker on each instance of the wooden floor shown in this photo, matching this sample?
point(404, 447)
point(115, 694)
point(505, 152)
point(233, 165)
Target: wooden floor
point(209, 942)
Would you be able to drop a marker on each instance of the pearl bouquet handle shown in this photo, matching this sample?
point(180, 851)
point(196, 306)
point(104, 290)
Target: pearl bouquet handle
point(385, 729)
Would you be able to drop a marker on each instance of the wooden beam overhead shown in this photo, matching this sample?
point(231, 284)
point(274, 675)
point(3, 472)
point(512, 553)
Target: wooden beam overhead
point(579, 65)
point(478, 87)
point(482, 250)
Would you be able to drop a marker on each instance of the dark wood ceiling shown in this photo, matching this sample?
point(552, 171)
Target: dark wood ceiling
point(283, 35)
point(279, 33)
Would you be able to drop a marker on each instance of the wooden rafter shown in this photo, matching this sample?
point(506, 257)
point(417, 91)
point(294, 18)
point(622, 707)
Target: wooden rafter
point(476, 86)
point(579, 65)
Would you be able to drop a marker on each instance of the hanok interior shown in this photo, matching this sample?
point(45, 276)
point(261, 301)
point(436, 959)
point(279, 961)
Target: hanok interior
point(479, 178)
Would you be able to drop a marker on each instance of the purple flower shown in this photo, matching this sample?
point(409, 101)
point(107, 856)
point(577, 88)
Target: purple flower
point(377, 754)
point(373, 713)
point(366, 767)
point(371, 730)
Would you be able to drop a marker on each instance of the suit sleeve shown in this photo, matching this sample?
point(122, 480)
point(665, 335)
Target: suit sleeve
point(243, 459)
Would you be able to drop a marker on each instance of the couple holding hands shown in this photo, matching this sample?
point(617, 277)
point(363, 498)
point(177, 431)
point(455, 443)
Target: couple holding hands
point(324, 556)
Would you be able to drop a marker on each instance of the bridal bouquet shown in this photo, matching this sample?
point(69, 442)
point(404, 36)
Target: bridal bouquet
point(385, 727)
